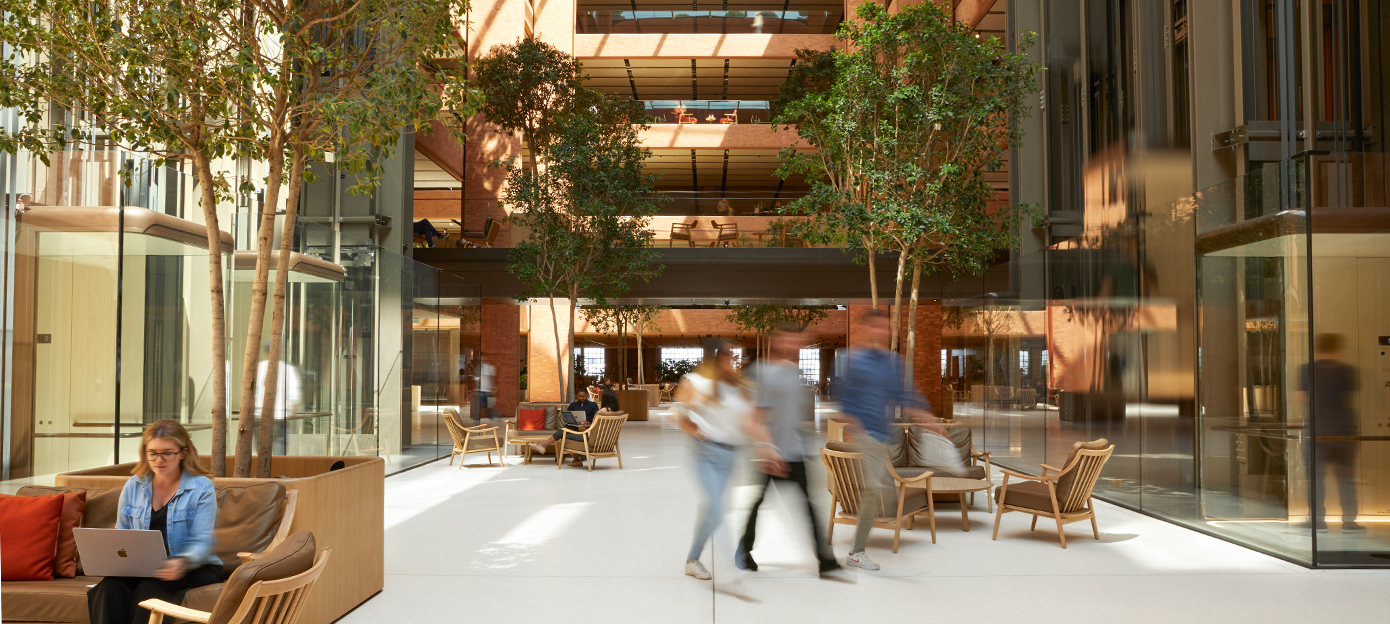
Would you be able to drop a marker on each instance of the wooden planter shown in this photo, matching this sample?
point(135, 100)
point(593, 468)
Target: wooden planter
point(343, 508)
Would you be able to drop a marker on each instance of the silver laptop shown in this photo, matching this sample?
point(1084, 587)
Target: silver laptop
point(120, 552)
point(574, 418)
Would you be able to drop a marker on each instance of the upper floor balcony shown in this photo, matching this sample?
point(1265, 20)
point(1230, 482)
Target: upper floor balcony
point(755, 21)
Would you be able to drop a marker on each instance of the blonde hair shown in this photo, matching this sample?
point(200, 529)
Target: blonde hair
point(172, 431)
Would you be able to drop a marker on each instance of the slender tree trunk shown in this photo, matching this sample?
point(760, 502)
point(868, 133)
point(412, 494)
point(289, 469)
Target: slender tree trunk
point(250, 354)
point(641, 377)
point(574, 296)
point(265, 448)
point(872, 248)
point(896, 315)
point(208, 198)
point(560, 355)
point(911, 350)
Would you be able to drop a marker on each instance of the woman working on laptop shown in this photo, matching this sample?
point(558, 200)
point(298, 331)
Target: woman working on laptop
point(169, 493)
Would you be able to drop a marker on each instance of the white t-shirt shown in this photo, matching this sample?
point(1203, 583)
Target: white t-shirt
point(485, 374)
point(719, 419)
point(287, 391)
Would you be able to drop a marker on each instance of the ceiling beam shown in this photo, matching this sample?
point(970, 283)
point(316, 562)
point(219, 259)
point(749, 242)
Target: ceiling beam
point(972, 11)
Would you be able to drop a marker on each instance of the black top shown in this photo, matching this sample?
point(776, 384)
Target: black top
point(1334, 386)
point(159, 521)
point(610, 400)
point(588, 407)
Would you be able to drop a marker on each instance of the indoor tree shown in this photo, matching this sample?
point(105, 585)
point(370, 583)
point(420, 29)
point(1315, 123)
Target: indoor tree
point(623, 320)
point(580, 193)
point(906, 118)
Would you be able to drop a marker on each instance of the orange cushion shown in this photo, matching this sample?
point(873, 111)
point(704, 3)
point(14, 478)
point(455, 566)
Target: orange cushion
point(65, 562)
point(29, 536)
point(532, 420)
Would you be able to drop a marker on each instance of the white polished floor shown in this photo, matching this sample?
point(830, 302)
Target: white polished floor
point(494, 544)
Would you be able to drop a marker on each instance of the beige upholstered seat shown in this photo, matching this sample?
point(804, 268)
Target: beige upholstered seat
point(598, 441)
point(477, 439)
point(1064, 496)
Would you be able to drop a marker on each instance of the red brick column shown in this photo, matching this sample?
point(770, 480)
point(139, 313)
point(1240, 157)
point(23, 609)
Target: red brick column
point(926, 361)
point(501, 345)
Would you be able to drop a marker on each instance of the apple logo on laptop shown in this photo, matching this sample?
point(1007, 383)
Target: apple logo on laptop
point(121, 553)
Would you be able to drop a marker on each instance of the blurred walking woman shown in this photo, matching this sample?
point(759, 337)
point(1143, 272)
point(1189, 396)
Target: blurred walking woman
point(717, 407)
point(172, 494)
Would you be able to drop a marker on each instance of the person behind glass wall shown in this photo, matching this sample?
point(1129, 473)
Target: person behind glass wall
point(486, 382)
point(714, 409)
point(781, 423)
point(288, 393)
point(172, 494)
point(1334, 387)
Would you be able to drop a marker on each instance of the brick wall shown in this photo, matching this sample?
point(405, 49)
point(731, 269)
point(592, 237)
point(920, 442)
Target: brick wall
point(542, 380)
point(501, 344)
point(926, 361)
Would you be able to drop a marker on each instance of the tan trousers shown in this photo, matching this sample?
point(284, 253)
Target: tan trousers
point(876, 482)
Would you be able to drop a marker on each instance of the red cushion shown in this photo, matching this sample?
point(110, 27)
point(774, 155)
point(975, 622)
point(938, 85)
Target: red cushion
point(65, 562)
point(532, 420)
point(29, 536)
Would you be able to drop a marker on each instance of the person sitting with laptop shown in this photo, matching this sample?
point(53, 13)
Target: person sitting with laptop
point(172, 494)
point(581, 404)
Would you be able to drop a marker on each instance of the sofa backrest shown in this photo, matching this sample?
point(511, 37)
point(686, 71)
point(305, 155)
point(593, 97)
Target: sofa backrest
point(248, 516)
point(928, 451)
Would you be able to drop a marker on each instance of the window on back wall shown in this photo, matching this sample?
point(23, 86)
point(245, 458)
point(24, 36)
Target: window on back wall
point(688, 354)
point(595, 358)
point(809, 361)
point(1023, 362)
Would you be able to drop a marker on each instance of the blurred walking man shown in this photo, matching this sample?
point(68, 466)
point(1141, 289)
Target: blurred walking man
point(873, 384)
point(785, 411)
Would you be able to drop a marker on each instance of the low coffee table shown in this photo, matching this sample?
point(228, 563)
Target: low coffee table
point(524, 439)
point(959, 487)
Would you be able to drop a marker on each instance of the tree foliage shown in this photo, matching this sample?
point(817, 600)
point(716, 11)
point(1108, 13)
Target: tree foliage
point(581, 194)
point(279, 81)
point(906, 119)
point(762, 320)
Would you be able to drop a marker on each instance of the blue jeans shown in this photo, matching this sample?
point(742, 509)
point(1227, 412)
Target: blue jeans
point(713, 464)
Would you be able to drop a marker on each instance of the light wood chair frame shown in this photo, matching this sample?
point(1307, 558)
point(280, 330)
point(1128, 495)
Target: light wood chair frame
point(464, 435)
point(666, 391)
point(728, 233)
point(845, 478)
point(605, 431)
point(490, 232)
point(287, 509)
point(975, 458)
point(513, 435)
point(1078, 505)
point(280, 601)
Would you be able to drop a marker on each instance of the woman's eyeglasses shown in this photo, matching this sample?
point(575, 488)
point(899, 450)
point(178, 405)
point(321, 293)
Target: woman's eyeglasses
point(162, 456)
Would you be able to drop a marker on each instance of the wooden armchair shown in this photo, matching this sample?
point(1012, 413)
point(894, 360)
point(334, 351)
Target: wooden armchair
point(729, 118)
point(598, 441)
point(845, 476)
point(686, 118)
point(266, 601)
point(476, 439)
point(667, 388)
point(728, 233)
point(286, 519)
point(681, 231)
point(1064, 495)
point(485, 238)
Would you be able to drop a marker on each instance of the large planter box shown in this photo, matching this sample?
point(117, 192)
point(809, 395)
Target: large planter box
point(634, 402)
point(343, 508)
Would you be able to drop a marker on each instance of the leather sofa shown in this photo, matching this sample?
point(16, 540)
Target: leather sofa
point(250, 519)
point(913, 453)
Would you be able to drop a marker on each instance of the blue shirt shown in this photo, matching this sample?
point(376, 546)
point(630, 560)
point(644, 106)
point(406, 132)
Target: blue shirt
point(872, 384)
point(192, 514)
point(588, 407)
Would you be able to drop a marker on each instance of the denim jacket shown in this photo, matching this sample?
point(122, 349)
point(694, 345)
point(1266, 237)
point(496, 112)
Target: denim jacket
point(192, 516)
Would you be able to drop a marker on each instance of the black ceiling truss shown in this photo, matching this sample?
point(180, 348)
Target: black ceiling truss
point(724, 182)
point(630, 81)
point(725, 95)
point(694, 174)
point(694, 82)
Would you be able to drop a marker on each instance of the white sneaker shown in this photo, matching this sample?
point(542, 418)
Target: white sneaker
point(697, 570)
point(537, 448)
point(860, 560)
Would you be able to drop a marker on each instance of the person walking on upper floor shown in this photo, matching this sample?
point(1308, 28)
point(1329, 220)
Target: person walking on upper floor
point(872, 385)
point(781, 423)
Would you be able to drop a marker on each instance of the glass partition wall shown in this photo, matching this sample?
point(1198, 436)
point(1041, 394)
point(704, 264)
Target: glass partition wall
point(106, 308)
point(1233, 345)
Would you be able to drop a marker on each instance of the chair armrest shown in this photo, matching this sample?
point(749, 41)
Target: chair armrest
point(1046, 468)
point(480, 428)
point(248, 557)
point(1024, 476)
point(158, 609)
point(974, 453)
point(921, 478)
